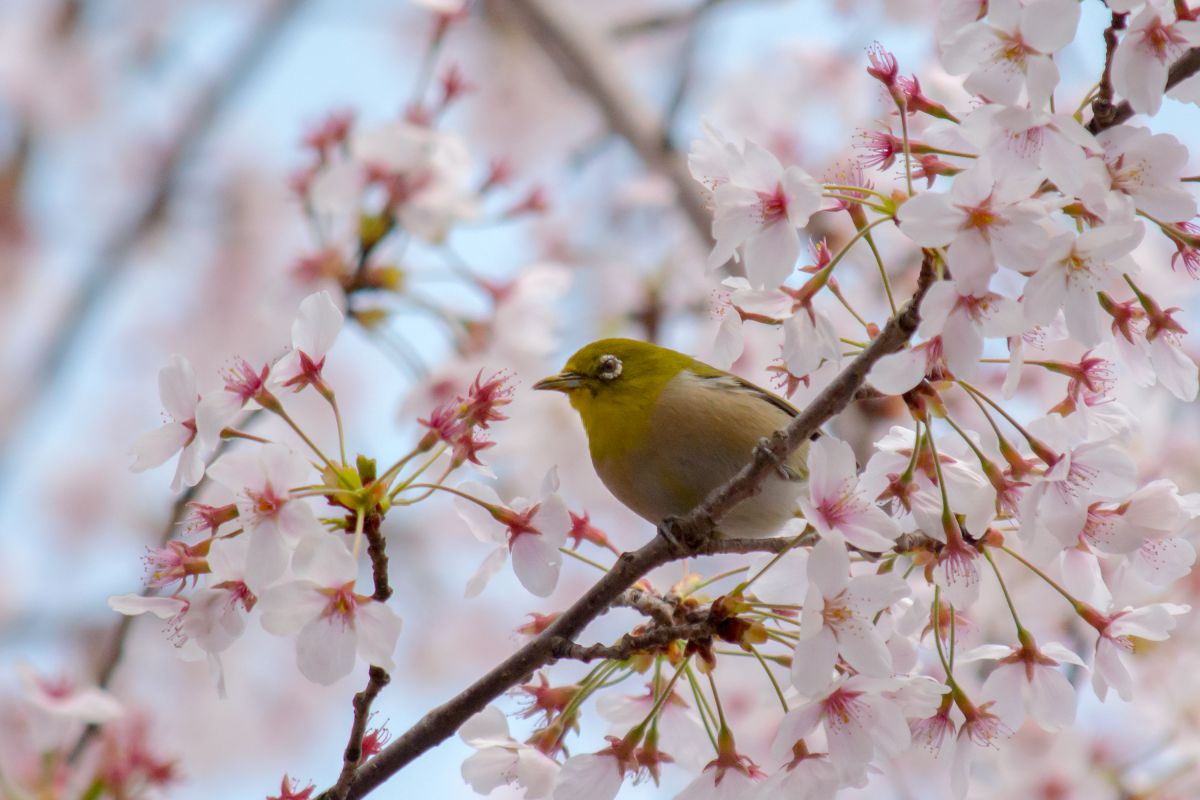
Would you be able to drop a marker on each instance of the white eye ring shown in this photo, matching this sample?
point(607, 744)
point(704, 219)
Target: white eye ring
point(609, 367)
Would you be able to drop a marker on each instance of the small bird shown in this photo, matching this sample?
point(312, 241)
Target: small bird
point(664, 430)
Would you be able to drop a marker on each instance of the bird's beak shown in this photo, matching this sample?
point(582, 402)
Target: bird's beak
point(562, 382)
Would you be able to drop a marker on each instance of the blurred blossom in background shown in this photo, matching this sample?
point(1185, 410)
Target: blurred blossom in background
point(150, 157)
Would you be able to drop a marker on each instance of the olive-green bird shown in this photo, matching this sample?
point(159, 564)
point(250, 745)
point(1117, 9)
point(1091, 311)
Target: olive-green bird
point(664, 430)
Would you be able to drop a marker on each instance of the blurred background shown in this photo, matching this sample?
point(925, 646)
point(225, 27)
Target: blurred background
point(149, 159)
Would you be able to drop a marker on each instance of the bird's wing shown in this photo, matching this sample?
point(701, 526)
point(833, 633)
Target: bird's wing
point(742, 386)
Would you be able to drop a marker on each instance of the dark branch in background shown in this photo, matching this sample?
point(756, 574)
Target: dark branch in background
point(589, 61)
point(107, 667)
point(113, 256)
point(1102, 107)
point(1187, 66)
point(666, 21)
point(693, 534)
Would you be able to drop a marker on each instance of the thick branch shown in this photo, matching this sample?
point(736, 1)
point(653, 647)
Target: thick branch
point(690, 535)
point(647, 604)
point(590, 62)
point(1187, 66)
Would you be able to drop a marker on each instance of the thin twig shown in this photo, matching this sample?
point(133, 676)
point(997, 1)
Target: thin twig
point(632, 644)
point(690, 535)
point(1102, 107)
point(377, 678)
point(377, 551)
point(647, 604)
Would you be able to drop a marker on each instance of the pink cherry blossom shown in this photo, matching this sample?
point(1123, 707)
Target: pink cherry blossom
point(810, 776)
point(1055, 505)
point(964, 319)
point(216, 614)
point(1012, 49)
point(836, 506)
point(500, 760)
point(837, 619)
point(262, 481)
point(314, 331)
point(1147, 167)
point(533, 531)
point(758, 206)
point(1114, 647)
point(859, 720)
point(983, 222)
point(1032, 146)
point(731, 775)
point(1027, 681)
point(330, 621)
point(1153, 42)
point(177, 389)
point(244, 388)
point(1076, 268)
point(65, 699)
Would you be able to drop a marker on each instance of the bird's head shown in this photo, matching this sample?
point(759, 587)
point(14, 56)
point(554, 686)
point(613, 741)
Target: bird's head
point(616, 367)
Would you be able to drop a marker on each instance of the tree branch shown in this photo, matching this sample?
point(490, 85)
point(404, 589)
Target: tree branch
point(377, 678)
point(630, 644)
point(692, 534)
point(590, 62)
point(1102, 107)
point(1187, 66)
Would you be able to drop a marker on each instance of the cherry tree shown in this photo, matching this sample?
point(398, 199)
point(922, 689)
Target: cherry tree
point(978, 298)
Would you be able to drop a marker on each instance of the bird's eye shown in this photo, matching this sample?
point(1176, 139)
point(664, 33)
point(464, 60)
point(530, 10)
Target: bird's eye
point(608, 367)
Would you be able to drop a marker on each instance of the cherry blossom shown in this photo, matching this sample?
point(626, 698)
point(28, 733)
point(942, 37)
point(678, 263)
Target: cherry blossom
point(1076, 267)
point(1027, 681)
point(532, 531)
point(1147, 168)
point(216, 614)
point(500, 760)
point(1153, 42)
point(331, 622)
point(836, 506)
point(858, 718)
point(1055, 505)
point(1011, 50)
point(1114, 647)
point(1032, 145)
point(275, 521)
point(729, 776)
point(244, 388)
point(758, 206)
point(63, 698)
point(837, 619)
point(982, 221)
point(964, 319)
point(177, 389)
point(314, 331)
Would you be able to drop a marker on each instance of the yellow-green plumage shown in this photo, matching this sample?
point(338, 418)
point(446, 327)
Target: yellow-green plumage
point(668, 429)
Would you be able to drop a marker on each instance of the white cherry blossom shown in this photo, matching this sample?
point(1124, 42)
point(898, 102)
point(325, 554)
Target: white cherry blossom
point(1076, 268)
point(1011, 50)
point(316, 327)
point(758, 206)
point(261, 481)
point(837, 619)
point(1027, 682)
point(1114, 648)
point(835, 504)
point(532, 531)
point(1153, 42)
point(983, 221)
point(500, 760)
point(177, 390)
point(964, 319)
point(330, 621)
